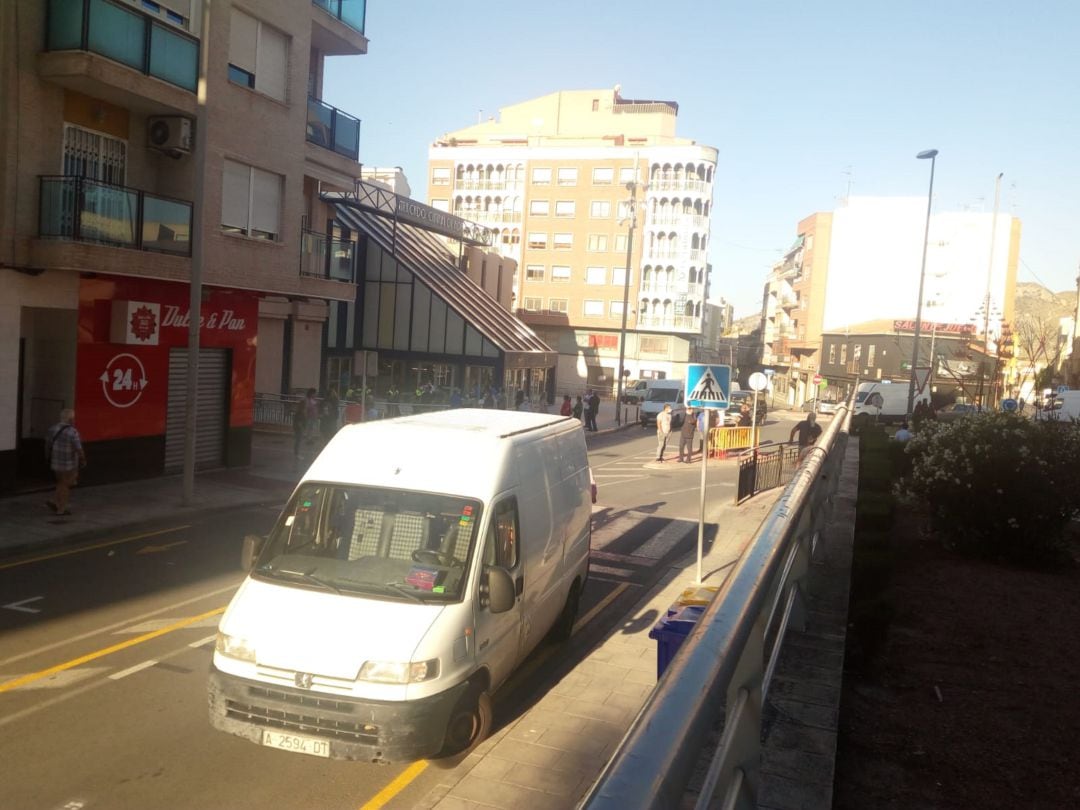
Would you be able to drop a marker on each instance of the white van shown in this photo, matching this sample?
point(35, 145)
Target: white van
point(661, 393)
point(883, 402)
point(1066, 407)
point(417, 563)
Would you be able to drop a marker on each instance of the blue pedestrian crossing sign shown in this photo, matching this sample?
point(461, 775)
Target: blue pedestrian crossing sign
point(707, 386)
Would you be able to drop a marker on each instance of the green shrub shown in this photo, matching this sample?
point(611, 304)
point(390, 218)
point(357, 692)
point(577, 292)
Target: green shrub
point(997, 483)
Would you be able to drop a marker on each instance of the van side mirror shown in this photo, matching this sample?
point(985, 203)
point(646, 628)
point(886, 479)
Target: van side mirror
point(500, 589)
point(250, 550)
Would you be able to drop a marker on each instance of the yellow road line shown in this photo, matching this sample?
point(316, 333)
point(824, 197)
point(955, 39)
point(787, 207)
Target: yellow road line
point(603, 603)
point(401, 781)
point(81, 549)
point(7, 686)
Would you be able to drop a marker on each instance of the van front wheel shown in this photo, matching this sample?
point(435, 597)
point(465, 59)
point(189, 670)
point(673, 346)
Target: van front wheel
point(470, 723)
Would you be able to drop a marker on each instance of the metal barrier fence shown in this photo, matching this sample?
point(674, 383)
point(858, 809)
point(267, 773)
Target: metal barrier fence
point(763, 469)
point(719, 678)
point(723, 440)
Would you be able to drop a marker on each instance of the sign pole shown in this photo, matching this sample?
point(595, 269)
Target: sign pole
point(701, 514)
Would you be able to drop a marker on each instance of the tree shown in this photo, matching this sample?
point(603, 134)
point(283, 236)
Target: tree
point(1038, 339)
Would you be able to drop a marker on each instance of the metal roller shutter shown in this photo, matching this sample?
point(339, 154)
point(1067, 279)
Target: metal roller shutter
point(211, 408)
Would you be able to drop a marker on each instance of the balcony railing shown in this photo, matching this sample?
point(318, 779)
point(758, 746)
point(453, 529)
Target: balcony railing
point(680, 220)
point(333, 129)
point(487, 184)
point(677, 184)
point(125, 35)
point(350, 12)
point(476, 215)
point(322, 256)
point(89, 211)
point(654, 254)
point(669, 322)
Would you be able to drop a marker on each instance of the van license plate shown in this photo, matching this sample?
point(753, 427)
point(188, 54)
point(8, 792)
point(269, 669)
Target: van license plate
point(297, 743)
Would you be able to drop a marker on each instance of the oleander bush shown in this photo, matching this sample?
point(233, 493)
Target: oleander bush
point(997, 484)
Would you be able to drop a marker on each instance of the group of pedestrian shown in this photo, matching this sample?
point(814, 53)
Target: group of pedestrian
point(585, 408)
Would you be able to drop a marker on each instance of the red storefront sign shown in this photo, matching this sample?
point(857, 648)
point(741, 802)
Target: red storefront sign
point(127, 327)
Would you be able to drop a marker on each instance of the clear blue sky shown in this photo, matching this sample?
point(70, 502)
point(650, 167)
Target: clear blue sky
point(799, 98)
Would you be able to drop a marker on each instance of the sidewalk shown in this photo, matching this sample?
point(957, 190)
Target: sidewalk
point(27, 524)
point(549, 757)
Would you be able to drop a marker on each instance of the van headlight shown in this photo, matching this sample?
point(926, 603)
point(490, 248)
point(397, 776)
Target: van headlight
point(399, 672)
point(235, 647)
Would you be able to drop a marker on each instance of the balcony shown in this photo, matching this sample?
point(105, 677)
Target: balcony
point(338, 28)
point(488, 184)
point(674, 322)
point(677, 184)
point(333, 129)
point(84, 210)
point(324, 257)
point(681, 220)
point(492, 215)
point(137, 49)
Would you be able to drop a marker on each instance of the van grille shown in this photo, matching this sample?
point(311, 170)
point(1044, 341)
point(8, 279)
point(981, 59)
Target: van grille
point(290, 715)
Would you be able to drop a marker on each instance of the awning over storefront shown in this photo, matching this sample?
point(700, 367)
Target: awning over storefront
point(429, 260)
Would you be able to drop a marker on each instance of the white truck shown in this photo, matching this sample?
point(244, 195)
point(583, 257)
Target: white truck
point(417, 563)
point(883, 402)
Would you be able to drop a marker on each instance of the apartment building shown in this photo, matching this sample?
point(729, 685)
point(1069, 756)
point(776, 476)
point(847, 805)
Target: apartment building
point(559, 180)
point(861, 263)
point(98, 163)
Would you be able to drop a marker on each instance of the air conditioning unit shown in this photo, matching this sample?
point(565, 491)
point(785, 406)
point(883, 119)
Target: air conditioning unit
point(171, 134)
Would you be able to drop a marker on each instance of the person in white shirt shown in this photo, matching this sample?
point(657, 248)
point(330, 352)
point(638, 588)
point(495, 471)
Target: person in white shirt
point(663, 430)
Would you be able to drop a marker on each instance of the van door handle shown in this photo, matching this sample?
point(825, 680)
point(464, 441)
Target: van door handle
point(519, 585)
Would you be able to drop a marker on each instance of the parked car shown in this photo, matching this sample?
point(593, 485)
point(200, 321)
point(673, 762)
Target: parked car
point(957, 410)
point(736, 400)
point(661, 393)
point(634, 393)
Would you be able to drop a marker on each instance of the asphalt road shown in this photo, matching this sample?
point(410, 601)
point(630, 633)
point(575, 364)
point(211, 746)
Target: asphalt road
point(105, 650)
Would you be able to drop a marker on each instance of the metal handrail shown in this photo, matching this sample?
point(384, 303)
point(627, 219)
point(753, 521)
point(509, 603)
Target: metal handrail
point(723, 668)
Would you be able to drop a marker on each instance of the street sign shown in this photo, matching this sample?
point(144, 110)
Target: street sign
point(1009, 405)
point(824, 383)
point(817, 379)
point(707, 386)
point(758, 381)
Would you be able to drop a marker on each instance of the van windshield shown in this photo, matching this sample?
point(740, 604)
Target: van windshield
point(662, 395)
point(384, 543)
point(861, 396)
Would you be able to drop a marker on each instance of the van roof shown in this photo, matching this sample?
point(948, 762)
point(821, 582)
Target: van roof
point(462, 451)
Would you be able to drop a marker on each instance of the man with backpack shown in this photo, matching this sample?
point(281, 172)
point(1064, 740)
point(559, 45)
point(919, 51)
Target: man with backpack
point(64, 452)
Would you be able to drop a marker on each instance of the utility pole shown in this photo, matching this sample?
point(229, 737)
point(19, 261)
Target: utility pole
point(197, 243)
point(989, 275)
point(632, 217)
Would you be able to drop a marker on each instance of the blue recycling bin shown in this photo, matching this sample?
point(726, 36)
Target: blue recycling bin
point(670, 632)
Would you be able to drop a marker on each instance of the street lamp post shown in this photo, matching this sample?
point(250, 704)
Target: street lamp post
point(930, 154)
point(632, 216)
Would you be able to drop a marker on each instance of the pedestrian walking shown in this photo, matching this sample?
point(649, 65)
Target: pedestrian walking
point(808, 430)
point(686, 437)
point(65, 454)
point(567, 408)
point(663, 430)
point(328, 415)
point(594, 409)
